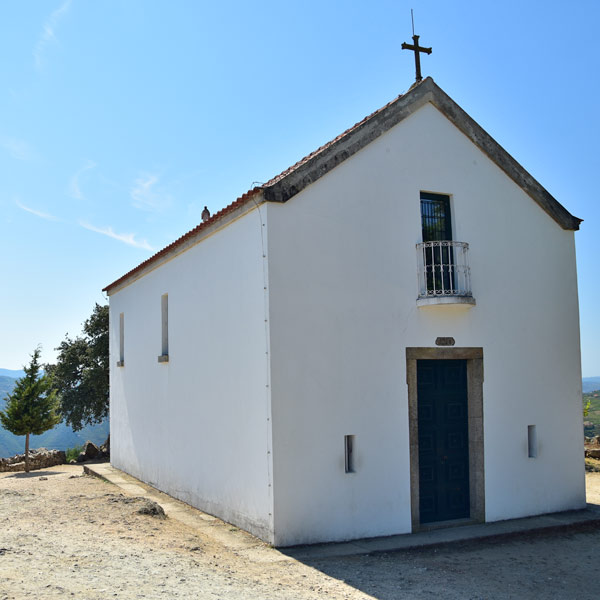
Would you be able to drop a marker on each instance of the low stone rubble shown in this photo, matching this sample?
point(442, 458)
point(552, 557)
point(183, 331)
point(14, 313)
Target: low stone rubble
point(93, 452)
point(38, 459)
point(42, 458)
point(592, 447)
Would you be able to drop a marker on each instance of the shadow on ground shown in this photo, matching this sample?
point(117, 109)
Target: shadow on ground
point(34, 474)
point(552, 563)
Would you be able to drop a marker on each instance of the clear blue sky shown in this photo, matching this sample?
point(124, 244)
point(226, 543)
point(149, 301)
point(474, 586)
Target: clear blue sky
point(120, 120)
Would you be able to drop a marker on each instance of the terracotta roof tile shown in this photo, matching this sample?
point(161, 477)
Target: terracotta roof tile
point(243, 199)
point(239, 202)
point(444, 103)
point(324, 147)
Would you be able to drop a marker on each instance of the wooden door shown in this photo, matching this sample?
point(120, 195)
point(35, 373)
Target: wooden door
point(443, 440)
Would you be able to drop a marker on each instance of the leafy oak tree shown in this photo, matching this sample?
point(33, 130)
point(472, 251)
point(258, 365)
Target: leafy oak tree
point(80, 375)
point(32, 407)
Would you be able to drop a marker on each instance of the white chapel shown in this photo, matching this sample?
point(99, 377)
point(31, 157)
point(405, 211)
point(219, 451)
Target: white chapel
point(381, 339)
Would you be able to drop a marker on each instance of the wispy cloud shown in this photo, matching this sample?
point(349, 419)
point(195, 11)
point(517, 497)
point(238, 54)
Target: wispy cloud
point(145, 194)
point(74, 184)
point(37, 213)
point(126, 238)
point(17, 148)
point(48, 35)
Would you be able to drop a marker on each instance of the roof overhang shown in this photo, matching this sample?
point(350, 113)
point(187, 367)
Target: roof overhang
point(306, 171)
point(249, 201)
point(314, 166)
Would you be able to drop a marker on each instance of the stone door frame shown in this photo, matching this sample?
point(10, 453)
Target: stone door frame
point(474, 358)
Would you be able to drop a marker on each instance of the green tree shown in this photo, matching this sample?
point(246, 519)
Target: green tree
point(80, 375)
point(32, 407)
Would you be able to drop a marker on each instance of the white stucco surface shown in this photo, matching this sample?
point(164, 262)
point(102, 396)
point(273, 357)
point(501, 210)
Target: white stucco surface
point(197, 426)
point(282, 344)
point(343, 289)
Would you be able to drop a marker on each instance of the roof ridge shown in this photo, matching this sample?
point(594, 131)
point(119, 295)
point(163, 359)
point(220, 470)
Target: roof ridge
point(328, 144)
point(310, 168)
point(245, 197)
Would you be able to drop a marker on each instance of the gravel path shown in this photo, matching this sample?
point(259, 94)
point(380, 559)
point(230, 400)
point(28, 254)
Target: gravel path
point(66, 535)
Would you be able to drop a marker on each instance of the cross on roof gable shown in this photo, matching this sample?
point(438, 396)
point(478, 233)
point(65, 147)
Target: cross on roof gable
point(312, 167)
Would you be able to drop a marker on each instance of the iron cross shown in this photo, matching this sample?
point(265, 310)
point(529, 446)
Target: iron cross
point(416, 48)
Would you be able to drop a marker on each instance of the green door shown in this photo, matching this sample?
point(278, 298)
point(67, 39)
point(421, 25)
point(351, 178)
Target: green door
point(443, 440)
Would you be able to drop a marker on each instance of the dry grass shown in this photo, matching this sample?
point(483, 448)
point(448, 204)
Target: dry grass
point(592, 465)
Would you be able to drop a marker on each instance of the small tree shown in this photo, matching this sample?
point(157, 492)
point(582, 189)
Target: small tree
point(80, 375)
point(31, 407)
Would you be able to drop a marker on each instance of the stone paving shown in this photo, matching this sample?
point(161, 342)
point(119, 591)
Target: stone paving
point(236, 539)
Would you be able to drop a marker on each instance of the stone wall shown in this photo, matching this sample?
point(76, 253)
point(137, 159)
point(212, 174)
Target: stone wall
point(592, 447)
point(38, 459)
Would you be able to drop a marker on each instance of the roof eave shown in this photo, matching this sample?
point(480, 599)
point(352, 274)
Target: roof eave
point(311, 168)
point(244, 204)
point(321, 162)
point(495, 152)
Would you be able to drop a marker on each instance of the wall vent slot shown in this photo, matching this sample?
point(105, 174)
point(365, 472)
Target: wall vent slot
point(349, 453)
point(164, 312)
point(121, 340)
point(532, 441)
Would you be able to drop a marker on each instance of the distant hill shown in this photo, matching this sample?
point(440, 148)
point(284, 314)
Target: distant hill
point(59, 438)
point(590, 384)
point(15, 374)
point(6, 385)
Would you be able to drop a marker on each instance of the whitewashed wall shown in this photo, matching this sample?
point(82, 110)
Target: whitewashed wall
point(342, 267)
point(197, 427)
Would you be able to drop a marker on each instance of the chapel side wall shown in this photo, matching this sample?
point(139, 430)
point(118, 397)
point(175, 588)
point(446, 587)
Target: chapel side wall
point(196, 426)
point(343, 287)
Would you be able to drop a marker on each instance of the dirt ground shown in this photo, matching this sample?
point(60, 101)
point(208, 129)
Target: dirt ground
point(64, 535)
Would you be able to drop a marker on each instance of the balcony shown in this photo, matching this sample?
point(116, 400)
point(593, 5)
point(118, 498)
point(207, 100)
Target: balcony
point(444, 275)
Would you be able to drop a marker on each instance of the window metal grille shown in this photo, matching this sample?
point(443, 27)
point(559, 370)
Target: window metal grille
point(435, 217)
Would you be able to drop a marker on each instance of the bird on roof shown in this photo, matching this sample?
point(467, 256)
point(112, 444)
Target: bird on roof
point(205, 214)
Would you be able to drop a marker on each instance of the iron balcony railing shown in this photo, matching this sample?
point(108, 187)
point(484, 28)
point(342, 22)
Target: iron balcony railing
point(443, 269)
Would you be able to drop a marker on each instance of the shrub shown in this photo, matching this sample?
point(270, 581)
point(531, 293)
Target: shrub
point(73, 453)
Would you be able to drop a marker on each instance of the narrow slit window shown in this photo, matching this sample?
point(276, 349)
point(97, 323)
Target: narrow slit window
point(121, 340)
point(164, 311)
point(349, 453)
point(532, 441)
